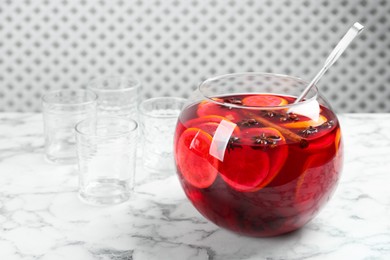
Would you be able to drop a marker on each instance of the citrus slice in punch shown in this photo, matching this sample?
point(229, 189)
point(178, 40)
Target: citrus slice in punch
point(211, 127)
point(207, 108)
point(338, 142)
point(254, 160)
point(272, 142)
point(321, 141)
point(209, 124)
point(306, 123)
point(195, 164)
point(264, 101)
point(244, 169)
point(204, 119)
point(317, 180)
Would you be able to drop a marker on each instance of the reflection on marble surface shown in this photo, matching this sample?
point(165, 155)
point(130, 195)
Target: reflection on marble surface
point(42, 218)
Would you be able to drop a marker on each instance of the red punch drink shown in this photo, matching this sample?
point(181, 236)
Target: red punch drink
point(252, 165)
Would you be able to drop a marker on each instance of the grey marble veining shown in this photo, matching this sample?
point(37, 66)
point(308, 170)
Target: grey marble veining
point(42, 218)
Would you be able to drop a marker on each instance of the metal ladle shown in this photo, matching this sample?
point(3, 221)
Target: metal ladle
point(354, 31)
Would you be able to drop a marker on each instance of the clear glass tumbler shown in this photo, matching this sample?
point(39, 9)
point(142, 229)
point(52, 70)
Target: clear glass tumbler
point(158, 117)
point(117, 95)
point(106, 148)
point(62, 109)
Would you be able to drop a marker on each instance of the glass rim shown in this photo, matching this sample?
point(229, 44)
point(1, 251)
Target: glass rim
point(143, 111)
point(96, 119)
point(51, 93)
point(98, 79)
point(219, 77)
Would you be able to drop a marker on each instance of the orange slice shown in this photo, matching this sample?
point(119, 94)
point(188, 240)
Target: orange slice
point(211, 127)
point(304, 124)
point(264, 101)
point(318, 178)
point(195, 163)
point(337, 141)
point(307, 188)
point(210, 123)
point(323, 140)
point(207, 108)
point(204, 119)
point(277, 153)
point(244, 169)
point(251, 166)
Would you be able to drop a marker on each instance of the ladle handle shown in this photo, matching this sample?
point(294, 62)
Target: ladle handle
point(333, 56)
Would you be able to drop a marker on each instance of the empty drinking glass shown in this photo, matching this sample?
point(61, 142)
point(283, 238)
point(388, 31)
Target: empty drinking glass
point(106, 148)
point(158, 117)
point(117, 95)
point(62, 109)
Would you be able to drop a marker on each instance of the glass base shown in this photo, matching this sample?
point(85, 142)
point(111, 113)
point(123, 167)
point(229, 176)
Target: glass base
point(159, 165)
point(105, 192)
point(61, 160)
point(164, 171)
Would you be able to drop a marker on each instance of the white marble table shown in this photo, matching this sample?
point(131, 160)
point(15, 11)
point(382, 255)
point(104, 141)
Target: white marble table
point(42, 218)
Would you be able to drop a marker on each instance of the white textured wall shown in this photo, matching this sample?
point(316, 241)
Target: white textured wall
point(173, 45)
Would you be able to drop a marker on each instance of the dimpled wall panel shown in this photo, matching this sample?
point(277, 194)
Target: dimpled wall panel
point(172, 45)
